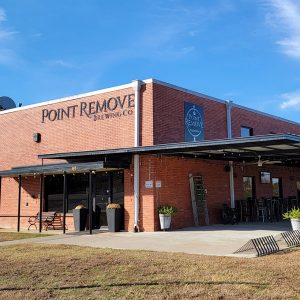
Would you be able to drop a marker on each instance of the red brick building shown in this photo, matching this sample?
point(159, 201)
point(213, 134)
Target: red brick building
point(141, 142)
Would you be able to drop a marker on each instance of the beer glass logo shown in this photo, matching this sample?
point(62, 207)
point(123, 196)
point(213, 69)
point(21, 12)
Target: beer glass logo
point(194, 122)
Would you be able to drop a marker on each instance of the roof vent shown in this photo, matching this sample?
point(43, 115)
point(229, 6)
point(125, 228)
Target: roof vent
point(6, 103)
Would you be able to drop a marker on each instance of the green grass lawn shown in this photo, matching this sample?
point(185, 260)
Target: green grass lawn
point(10, 236)
point(72, 272)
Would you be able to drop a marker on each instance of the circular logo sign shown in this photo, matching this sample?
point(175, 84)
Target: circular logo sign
point(194, 122)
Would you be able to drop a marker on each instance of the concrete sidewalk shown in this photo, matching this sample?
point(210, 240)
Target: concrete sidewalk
point(220, 240)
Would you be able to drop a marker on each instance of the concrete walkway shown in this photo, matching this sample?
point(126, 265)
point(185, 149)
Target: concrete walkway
point(221, 240)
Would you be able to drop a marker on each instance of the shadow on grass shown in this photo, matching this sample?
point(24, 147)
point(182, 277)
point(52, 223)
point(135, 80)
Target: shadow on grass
point(154, 283)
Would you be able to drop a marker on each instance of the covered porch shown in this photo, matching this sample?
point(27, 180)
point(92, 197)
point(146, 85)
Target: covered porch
point(260, 152)
point(64, 186)
point(281, 151)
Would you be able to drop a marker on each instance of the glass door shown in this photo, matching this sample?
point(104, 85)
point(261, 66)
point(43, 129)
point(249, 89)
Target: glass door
point(277, 187)
point(298, 189)
point(249, 188)
point(108, 188)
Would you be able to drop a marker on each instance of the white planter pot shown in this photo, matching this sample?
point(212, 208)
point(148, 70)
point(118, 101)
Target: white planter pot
point(295, 224)
point(165, 221)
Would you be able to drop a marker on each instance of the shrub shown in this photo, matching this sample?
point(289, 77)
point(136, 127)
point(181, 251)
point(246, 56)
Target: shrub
point(113, 206)
point(167, 210)
point(294, 213)
point(80, 206)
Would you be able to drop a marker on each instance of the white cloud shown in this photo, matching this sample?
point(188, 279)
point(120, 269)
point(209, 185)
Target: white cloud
point(4, 33)
point(285, 16)
point(61, 63)
point(291, 100)
point(8, 56)
point(2, 15)
point(37, 35)
point(176, 24)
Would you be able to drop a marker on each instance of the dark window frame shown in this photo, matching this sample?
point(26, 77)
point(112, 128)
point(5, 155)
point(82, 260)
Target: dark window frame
point(249, 129)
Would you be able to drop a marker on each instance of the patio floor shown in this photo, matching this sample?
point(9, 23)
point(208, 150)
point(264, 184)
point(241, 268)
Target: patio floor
point(220, 240)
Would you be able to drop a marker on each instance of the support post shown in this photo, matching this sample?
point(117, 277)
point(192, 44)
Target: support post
point(90, 203)
point(41, 201)
point(229, 134)
point(111, 187)
point(19, 202)
point(65, 199)
point(231, 182)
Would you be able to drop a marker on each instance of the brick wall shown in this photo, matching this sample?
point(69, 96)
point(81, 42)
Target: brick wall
point(173, 174)
point(175, 190)
point(30, 202)
point(73, 134)
point(162, 121)
point(289, 176)
point(128, 200)
point(169, 117)
point(146, 115)
point(261, 124)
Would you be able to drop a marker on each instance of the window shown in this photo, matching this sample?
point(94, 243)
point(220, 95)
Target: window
point(249, 187)
point(246, 131)
point(107, 186)
point(265, 177)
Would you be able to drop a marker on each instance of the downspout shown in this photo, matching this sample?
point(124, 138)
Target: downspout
point(228, 118)
point(229, 135)
point(136, 84)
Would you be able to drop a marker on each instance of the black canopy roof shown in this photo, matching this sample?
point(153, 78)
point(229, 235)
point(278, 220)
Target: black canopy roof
point(282, 148)
point(54, 169)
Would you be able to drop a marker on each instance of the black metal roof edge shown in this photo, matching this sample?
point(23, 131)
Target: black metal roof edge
point(51, 168)
point(57, 165)
point(178, 146)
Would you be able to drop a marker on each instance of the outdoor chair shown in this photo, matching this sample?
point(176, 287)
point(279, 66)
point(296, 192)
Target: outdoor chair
point(244, 211)
point(275, 210)
point(261, 211)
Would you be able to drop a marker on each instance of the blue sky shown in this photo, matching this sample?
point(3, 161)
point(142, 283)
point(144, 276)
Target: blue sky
point(247, 51)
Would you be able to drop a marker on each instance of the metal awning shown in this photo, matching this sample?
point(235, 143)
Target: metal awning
point(55, 169)
point(282, 148)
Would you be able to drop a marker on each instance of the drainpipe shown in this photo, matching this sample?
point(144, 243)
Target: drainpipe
point(228, 118)
point(229, 135)
point(136, 84)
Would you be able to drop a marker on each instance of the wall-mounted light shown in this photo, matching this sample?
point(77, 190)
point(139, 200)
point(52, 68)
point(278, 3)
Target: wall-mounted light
point(37, 137)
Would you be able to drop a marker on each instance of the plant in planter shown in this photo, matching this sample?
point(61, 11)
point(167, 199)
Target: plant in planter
point(114, 216)
point(165, 216)
point(294, 216)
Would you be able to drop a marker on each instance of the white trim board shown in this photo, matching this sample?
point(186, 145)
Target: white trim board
point(74, 97)
point(150, 80)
